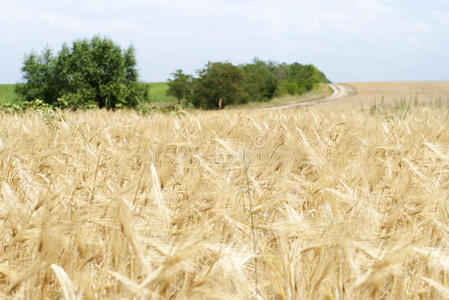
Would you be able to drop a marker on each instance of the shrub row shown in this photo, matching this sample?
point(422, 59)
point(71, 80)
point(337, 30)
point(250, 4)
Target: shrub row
point(221, 83)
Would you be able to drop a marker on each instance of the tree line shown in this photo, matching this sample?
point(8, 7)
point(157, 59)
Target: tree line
point(221, 83)
point(98, 73)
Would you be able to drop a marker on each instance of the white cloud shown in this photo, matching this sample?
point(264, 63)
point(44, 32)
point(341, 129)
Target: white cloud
point(180, 33)
point(441, 15)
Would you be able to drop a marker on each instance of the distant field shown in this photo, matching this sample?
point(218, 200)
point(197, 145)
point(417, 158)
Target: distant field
point(367, 93)
point(7, 93)
point(157, 93)
point(388, 93)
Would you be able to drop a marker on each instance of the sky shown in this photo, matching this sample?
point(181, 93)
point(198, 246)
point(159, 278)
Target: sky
point(349, 40)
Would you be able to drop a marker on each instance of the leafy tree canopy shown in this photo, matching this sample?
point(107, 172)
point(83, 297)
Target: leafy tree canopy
point(94, 72)
point(217, 85)
point(180, 85)
point(220, 83)
point(260, 82)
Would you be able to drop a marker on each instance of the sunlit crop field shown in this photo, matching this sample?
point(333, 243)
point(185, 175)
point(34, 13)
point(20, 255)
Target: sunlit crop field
point(225, 205)
point(365, 94)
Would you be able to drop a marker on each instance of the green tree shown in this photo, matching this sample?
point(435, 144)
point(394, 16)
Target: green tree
point(90, 72)
point(39, 75)
point(260, 82)
point(180, 86)
point(297, 78)
point(219, 84)
point(308, 76)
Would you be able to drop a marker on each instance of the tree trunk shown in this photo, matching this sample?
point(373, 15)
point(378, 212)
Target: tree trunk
point(220, 103)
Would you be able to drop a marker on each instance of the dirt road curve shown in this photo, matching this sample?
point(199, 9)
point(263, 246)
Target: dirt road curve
point(340, 91)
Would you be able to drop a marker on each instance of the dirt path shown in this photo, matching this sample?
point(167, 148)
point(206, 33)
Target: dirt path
point(339, 91)
point(356, 95)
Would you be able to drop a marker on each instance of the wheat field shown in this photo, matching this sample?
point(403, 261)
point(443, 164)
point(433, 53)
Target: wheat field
point(365, 94)
point(224, 205)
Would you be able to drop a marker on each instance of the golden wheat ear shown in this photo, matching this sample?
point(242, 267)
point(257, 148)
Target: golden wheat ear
point(301, 204)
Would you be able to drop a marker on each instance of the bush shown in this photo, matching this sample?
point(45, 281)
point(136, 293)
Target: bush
point(93, 72)
point(260, 82)
point(181, 86)
point(296, 79)
point(219, 84)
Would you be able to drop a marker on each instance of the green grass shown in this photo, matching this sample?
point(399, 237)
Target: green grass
point(158, 93)
point(7, 93)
